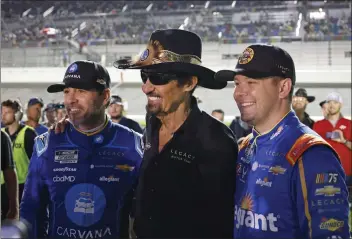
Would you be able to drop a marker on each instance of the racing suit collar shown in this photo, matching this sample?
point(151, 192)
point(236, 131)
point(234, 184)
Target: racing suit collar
point(90, 141)
point(275, 131)
point(95, 132)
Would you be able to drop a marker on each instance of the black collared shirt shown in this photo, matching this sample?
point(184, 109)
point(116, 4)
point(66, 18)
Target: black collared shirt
point(129, 123)
point(308, 121)
point(187, 190)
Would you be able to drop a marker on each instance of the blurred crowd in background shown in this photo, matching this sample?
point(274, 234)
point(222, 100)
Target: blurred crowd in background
point(28, 21)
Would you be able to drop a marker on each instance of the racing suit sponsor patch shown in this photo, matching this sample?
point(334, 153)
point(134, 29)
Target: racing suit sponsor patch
point(331, 224)
point(241, 171)
point(139, 146)
point(85, 204)
point(65, 169)
point(124, 167)
point(278, 131)
point(77, 233)
point(257, 165)
point(327, 202)
point(62, 179)
point(276, 170)
point(109, 179)
point(264, 182)
point(66, 156)
point(323, 178)
point(41, 143)
point(329, 191)
point(246, 216)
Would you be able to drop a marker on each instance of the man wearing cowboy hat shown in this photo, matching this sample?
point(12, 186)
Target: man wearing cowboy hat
point(299, 104)
point(187, 180)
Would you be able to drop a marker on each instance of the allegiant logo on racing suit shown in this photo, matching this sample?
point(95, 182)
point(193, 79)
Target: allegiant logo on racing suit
point(76, 233)
point(109, 179)
point(245, 216)
point(255, 220)
point(264, 182)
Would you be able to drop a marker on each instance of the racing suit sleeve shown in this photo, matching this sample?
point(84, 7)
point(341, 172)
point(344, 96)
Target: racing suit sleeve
point(320, 195)
point(33, 208)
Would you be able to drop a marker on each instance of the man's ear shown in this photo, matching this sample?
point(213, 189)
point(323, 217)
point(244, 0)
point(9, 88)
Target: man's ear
point(285, 88)
point(107, 95)
point(189, 86)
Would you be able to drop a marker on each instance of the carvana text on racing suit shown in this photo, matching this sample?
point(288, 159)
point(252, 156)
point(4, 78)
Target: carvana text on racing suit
point(85, 181)
point(290, 184)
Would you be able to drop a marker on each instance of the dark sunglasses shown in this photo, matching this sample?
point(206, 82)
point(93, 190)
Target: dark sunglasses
point(160, 78)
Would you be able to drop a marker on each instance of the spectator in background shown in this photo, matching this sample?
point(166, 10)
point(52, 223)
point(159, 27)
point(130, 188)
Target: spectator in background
point(336, 130)
point(218, 114)
point(299, 104)
point(9, 184)
point(22, 137)
point(324, 108)
point(240, 128)
point(116, 114)
point(34, 113)
point(50, 114)
point(60, 112)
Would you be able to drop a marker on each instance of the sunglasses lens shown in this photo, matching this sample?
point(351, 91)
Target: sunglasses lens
point(156, 78)
point(159, 79)
point(144, 77)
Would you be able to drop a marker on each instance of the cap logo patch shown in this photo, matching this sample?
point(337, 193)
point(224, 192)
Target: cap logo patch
point(72, 68)
point(246, 56)
point(144, 55)
point(101, 81)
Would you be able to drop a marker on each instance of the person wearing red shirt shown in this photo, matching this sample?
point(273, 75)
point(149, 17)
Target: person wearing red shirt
point(336, 130)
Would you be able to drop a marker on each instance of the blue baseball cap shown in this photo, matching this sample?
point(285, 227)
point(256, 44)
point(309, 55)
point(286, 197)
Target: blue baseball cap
point(50, 107)
point(34, 101)
point(85, 75)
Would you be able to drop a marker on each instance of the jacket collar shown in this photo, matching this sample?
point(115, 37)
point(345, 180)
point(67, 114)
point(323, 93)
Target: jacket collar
point(276, 130)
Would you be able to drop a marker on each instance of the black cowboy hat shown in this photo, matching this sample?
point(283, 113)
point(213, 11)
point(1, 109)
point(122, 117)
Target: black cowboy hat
point(303, 93)
point(174, 51)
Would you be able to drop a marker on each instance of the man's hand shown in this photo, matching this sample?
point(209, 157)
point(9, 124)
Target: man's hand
point(59, 127)
point(341, 138)
point(13, 213)
point(239, 141)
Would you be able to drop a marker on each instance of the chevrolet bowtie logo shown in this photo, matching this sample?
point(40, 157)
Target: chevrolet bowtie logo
point(277, 170)
point(328, 191)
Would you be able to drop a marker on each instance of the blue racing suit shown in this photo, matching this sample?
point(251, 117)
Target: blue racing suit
point(84, 181)
point(290, 184)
